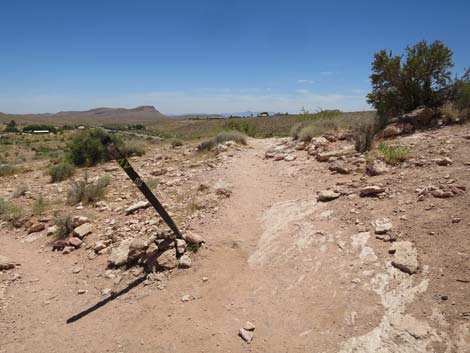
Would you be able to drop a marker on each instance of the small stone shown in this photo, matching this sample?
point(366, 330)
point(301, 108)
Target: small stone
point(180, 246)
point(249, 326)
point(290, 158)
point(83, 230)
point(119, 254)
point(81, 291)
point(137, 206)
point(167, 259)
point(67, 250)
point(99, 245)
point(444, 161)
point(184, 261)
point(371, 190)
point(51, 230)
point(6, 264)
point(193, 238)
point(186, 298)
point(405, 256)
point(36, 228)
point(339, 167)
point(382, 226)
point(247, 336)
point(75, 242)
point(205, 279)
point(327, 195)
point(376, 167)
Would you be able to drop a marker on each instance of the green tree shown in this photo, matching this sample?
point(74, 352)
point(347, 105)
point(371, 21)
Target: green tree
point(11, 127)
point(401, 83)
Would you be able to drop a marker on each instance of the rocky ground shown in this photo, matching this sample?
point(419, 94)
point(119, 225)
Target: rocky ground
point(307, 247)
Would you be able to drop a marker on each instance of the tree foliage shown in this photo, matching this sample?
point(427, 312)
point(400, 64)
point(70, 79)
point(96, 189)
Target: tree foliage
point(401, 83)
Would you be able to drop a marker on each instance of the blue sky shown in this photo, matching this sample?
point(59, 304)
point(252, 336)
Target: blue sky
point(209, 56)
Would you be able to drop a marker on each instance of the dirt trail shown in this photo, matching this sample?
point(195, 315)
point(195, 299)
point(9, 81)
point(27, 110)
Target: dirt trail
point(274, 256)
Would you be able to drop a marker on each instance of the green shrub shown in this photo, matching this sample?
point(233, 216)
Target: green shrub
point(133, 148)
point(61, 171)
point(394, 154)
point(176, 143)
point(206, 145)
point(64, 225)
point(6, 170)
point(87, 193)
point(462, 96)
point(238, 124)
point(86, 148)
point(39, 206)
point(9, 211)
point(401, 83)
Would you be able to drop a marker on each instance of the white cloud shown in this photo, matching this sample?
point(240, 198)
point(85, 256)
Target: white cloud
point(302, 91)
point(305, 81)
point(326, 73)
point(182, 102)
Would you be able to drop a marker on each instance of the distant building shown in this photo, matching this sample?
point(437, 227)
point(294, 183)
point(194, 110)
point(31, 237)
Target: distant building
point(263, 114)
point(41, 131)
point(81, 127)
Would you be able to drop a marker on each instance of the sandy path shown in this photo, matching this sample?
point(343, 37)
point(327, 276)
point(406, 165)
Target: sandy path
point(274, 256)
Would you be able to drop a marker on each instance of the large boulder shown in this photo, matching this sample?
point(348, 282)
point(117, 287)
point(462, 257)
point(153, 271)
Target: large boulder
point(327, 195)
point(137, 248)
point(420, 117)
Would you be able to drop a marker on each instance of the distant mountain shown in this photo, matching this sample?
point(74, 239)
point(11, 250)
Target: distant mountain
point(142, 114)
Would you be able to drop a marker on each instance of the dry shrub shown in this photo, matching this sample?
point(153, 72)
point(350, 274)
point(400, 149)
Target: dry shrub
point(61, 171)
point(394, 154)
point(225, 136)
point(64, 225)
point(87, 193)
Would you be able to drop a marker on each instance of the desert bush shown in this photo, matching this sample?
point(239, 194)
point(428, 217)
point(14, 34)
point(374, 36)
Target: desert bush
point(393, 154)
point(176, 142)
point(39, 205)
point(308, 132)
point(295, 131)
point(235, 136)
point(64, 225)
point(462, 94)
point(9, 211)
point(6, 170)
point(133, 148)
point(225, 136)
point(86, 148)
point(363, 136)
point(450, 113)
point(87, 193)
point(244, 126)
point(20, 191)
point(61, 171)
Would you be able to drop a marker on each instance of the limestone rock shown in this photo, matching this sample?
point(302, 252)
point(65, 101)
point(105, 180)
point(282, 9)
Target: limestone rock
point(339, 167)
point(193, 238)
point(405, 256)
point(37, 227)
point(74, 241)
point(184, 261)
point(246, 335)
point(180, 246)
point(167, 259)
point(118, 256)
point(249, 326)
point(443, 161)
point(376, 167)
point(137, 248)
point(327, 195)
point(137, 206)
point(382, 226)
point(83, 230)
point(371, 190)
